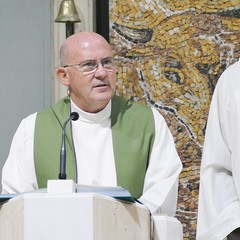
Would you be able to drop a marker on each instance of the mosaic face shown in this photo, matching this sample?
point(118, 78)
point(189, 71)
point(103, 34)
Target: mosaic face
point(171, 54)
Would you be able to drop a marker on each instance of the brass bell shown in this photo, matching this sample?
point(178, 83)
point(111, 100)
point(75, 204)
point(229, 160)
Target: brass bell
point(67, 12)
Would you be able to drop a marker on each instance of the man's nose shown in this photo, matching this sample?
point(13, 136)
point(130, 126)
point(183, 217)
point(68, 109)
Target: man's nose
point(101, 71)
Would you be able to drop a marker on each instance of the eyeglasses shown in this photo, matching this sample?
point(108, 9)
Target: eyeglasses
point(91, 66)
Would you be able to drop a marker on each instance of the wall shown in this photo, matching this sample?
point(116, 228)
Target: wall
point(171, 54)
point(25, 64)
point(30, 42)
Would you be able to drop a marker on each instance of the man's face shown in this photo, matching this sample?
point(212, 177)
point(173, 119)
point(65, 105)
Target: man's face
point(92, 90)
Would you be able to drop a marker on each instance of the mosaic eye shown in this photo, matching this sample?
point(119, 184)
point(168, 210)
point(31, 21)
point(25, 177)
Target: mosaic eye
point(173, 70)
point(173, 76)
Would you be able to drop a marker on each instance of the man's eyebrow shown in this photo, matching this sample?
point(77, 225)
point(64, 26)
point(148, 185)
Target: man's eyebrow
point(105, 58)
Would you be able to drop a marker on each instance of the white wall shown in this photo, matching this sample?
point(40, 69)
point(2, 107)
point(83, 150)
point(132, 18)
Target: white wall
point(29, 47)
point(25, 64)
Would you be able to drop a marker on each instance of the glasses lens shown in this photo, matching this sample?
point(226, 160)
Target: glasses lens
point(88, 66)
point(108, 64)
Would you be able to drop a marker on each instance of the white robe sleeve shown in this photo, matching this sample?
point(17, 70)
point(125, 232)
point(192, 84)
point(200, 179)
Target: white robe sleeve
point(161, 181)
point(219, 207)
point(18, 173)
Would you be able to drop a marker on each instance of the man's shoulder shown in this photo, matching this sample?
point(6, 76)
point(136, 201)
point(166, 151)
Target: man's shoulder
point(231, 73)
point(59, 106)
point(128, 103)
point(131, 112)
point(229, 80)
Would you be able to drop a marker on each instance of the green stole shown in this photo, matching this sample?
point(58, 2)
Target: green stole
point(132, 132)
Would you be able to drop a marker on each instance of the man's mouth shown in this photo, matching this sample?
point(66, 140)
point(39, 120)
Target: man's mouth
point(100, 85)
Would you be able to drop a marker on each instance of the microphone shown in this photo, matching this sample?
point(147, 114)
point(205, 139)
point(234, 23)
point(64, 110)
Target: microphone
point(62, 174)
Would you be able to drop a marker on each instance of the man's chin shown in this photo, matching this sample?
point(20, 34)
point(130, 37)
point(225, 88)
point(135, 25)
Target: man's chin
point(103, 97)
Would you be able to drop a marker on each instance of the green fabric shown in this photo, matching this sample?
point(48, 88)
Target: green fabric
point(47, 143)
point(133, 135)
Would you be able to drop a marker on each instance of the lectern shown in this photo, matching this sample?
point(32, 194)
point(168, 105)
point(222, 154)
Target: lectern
point(83, 216)
point(68, 212)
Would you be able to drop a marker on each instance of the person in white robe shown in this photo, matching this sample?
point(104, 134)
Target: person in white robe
point(219, 205)
point(92, 100)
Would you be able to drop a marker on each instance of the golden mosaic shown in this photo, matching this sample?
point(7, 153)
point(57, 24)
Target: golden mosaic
point(170, 55)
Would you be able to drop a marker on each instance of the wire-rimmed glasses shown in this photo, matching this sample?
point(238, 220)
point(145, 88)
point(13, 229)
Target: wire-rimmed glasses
point(91, 66)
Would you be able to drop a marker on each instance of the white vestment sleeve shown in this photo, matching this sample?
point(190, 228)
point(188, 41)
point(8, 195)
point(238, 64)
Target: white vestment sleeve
point(219, 207)
point(161, 181)
point(18, 174)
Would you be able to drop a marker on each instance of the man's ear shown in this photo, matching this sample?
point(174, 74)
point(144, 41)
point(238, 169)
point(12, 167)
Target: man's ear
point(62, 75)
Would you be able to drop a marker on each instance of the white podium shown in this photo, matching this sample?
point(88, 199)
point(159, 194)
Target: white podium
point(73, 216)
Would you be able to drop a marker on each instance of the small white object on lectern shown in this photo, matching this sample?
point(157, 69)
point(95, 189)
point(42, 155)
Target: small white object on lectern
point(60, 186)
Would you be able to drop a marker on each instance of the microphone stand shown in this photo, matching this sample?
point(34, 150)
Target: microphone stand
point(62, 174)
